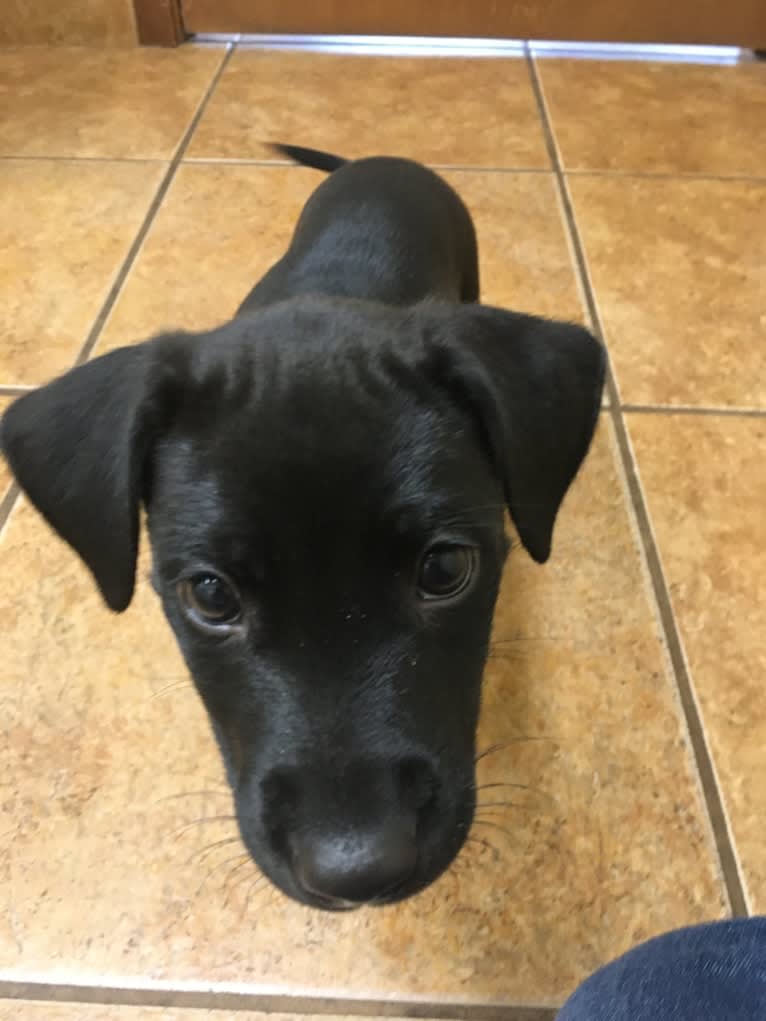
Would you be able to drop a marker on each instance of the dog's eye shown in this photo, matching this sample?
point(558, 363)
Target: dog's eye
point(445, 570)
point(209, 601)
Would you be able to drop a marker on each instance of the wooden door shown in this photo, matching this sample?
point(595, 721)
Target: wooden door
point(715, 22)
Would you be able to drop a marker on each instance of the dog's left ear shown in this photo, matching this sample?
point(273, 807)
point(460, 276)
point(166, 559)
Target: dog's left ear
point(535, 386)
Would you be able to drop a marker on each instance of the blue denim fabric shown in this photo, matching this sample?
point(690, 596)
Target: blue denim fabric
point(714, 972)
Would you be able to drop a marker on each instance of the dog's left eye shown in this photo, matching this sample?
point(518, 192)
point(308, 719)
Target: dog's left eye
point(446, 570)
point(209, 602)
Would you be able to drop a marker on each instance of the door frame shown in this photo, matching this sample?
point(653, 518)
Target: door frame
point(159, 22)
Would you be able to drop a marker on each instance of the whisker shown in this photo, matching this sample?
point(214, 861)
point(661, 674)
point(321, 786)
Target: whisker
point(509, 654)
point(200, 855)
point(500, 804)
point(230, 886)
point(491, 751)
point(200, 822)
point(507, 783)
point(256, 885)
point(227, 881)
point(503, 745)
point(191, 794)
point(494, 825)
point(494, 813)
point(484, 843)
point(218, 867)
point(172, 687)
point(528, 638)
point(518, 787)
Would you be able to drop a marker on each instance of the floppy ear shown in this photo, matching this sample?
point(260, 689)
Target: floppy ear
point(535, 385)
point(78, 447)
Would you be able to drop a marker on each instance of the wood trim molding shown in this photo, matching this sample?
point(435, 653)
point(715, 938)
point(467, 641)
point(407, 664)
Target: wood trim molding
point(159, 22)
point(732, 22)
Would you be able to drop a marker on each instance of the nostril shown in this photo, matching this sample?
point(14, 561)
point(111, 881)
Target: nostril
point(418, 783)
point(280, 791)
point(358, 868)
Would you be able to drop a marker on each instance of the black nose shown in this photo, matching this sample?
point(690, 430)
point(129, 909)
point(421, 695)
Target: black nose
point(356, 868)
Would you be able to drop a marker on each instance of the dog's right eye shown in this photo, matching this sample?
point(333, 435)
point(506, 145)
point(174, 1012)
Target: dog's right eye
point(209, 602)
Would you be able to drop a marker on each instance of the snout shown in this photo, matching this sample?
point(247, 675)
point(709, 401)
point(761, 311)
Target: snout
point(369, 833)
point(344, 870)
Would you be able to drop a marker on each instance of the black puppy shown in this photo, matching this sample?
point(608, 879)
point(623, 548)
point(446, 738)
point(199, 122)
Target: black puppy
point(325, 478)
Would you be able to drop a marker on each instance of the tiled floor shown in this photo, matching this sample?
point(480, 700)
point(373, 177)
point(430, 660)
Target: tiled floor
point(136, 193)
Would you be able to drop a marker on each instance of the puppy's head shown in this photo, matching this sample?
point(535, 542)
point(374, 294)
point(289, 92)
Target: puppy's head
point(325, 485)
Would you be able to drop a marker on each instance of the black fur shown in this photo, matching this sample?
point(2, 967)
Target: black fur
point(359, 410)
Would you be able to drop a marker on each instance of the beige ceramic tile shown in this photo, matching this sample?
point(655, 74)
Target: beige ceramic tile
point(65, 228)
point(30, 1010)
point(65, 101)
point(221, 227)
point(5, 476)
point(705, 480)
point(106, 871)
point(82, 22)
point(438, 110)
point(676, 118)
point(678, 271)
point(217, 232)
point(525, 262)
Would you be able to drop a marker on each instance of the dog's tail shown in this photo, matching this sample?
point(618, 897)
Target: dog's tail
point(309, 157)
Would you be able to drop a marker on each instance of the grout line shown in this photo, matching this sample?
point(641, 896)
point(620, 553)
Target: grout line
point(573, 237)
point(468, 168)
point(7, 503)
point(695, 727)
point(15, 389)
point(36, 158)
point(127, 264)
point(690, 409)
point(664, 175)
point(708, 777)
point(650, 175)
point(238, 1000)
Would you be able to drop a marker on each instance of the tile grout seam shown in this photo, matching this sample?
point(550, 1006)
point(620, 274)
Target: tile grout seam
point(689, 409)
point(299, 1004)
point(468, 168)
point(237, 161)
point(707, 775)
point(713, 798)
point(62, 158)
point(7, 503)
point(127, 263)
point(9, 499)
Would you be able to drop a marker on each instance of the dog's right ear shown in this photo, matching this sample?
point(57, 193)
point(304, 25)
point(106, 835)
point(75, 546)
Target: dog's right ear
point(78, 448)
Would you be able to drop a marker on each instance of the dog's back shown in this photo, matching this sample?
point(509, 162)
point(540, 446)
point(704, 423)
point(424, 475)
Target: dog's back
point(382, 229)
